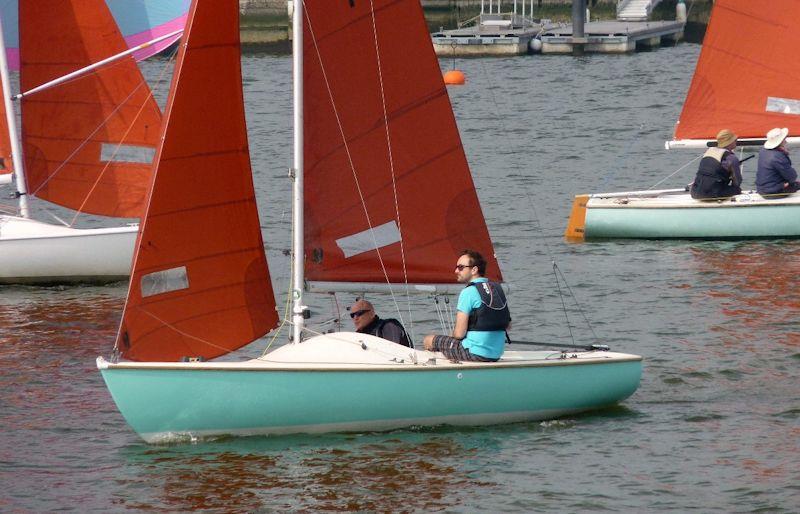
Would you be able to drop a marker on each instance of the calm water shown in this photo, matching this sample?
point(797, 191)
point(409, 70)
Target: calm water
point(714, 427)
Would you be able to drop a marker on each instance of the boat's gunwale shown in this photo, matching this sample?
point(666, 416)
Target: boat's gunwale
point(305, 367)
point(598, 201)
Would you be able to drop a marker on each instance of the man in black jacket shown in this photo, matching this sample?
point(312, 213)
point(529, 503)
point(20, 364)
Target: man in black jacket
point(367, 322)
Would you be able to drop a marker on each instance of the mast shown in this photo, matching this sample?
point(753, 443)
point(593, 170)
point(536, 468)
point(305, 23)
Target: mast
point(11, 120)
point(297, 187)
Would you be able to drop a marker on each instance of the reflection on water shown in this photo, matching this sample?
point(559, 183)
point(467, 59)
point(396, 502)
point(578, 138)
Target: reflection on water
point(754, 284)
point(368, 473)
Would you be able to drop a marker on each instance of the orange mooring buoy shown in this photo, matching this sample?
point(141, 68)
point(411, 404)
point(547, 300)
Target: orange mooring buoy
point(454, 78)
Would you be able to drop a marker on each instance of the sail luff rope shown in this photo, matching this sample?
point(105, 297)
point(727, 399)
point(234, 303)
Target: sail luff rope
point(391, 169)
point(349, 157)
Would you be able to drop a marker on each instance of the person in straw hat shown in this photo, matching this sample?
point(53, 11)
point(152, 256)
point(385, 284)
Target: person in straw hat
point(775, 174)
point(719, 174)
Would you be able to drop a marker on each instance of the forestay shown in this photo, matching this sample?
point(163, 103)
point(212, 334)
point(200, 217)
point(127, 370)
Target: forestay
point(388, 194)
point(200, 286)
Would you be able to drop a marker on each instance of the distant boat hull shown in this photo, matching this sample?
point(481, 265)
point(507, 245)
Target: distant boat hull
point(643, 215)
point(32, 252)
point(380, 389)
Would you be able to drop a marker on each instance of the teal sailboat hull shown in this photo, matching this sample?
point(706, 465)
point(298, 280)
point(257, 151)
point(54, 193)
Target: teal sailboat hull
point(744, 216)
point(175, 401)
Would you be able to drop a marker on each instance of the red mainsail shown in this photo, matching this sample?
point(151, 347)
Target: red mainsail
point(200, 285)
point(387, 184)
point(88, 143)
point(747, 77)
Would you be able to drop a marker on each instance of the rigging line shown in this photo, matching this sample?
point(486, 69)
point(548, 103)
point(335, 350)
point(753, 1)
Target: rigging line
point(86, 140)
point(286, 310)
point(540, 232)
point(674, 172)
point(349, 156)
point(124, 137)
point(179, 331)
point(391, 169)
point(563, 304)
point(439, 313)
point(575, 299)
point(107, 165)
point(449, 313)
point(102, 124)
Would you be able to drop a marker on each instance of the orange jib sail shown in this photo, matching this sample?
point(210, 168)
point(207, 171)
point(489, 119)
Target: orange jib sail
point(747, 77)
point(388, 192)
point(89, 143)
point(200, 285)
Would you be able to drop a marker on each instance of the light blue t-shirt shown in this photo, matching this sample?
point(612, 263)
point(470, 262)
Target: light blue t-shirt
point(486, 344)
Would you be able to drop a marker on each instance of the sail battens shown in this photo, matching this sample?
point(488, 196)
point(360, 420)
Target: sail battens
point(381, 148)
point(742, 80)
point(201, 212)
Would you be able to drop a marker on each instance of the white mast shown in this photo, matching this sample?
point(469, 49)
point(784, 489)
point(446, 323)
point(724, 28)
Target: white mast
point(297, 187)
point(11, 121)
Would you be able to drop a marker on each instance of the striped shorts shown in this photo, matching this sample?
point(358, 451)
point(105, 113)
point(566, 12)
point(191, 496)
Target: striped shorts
point(455, 351)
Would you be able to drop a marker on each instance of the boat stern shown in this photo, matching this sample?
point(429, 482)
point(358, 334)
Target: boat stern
point(576, 225)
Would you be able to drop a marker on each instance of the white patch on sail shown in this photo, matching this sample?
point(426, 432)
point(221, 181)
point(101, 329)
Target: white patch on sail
point(382, 235)
point(113, 152)
point(164, 281)
point(783, 105)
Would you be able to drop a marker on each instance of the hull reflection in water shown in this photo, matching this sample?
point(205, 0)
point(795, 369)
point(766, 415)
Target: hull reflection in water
point(319, 386)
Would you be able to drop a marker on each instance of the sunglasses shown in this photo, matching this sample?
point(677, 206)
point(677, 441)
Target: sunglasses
point(460, 267)
point(353, 315)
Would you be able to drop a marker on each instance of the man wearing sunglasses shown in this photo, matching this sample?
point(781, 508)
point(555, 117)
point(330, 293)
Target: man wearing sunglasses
point(367, 322)
point(482, 316)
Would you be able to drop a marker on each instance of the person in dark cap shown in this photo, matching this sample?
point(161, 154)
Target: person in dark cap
point(367, 322)
point(719, 174)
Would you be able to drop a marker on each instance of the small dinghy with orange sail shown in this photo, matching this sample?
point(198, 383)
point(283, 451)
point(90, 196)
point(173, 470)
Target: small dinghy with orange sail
point(375, 143)
point(89, 131)
point(741, 83)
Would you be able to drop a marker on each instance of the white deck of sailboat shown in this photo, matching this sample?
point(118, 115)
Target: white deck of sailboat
point(646, 199)
point(345, 351)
